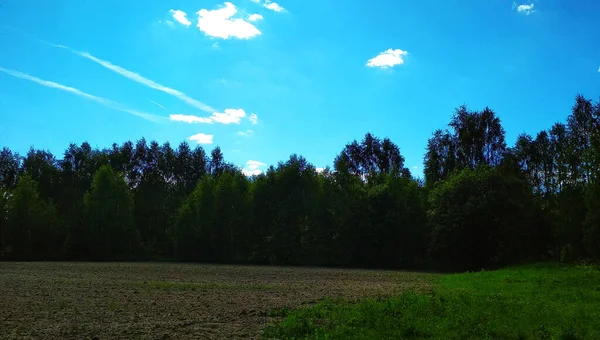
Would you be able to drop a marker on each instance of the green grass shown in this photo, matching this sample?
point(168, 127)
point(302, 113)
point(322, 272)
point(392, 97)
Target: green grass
point(529, 302)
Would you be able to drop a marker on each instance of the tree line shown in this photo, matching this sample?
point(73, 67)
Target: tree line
point(481, 203)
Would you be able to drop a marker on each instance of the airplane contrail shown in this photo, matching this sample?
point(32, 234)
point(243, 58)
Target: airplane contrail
point(104, 101)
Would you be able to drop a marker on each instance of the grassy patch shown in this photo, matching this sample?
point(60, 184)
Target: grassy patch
point(531, 302)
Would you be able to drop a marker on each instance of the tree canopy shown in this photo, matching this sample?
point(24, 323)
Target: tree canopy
point(482, 203)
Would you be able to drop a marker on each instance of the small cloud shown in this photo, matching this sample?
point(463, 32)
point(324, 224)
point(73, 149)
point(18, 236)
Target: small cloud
point(180, 17)
point(388, 58)
point(320, 170)
point(250, 173)
point(229, 116)
point(273, 6)
point(219, 23)
point(246, 133)
point(598, 69)
point(256, 1)
point(253, 168)
point(253, 118)
point(415, 167)
point(190, 119)
point(202, 138)
point(525, 9)
point(236, 150)
point(252, 165)
point(168, 22)
point(255, 17)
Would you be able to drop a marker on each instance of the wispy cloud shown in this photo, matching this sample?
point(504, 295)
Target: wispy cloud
point(106, 102)
point(168, 23)
point(202, 138)
point(525, 9)
point(181, 17)
point(219, 23)
point(269, 4)
point(139, 79)
point(388, 58)
point(253, 118)
point(598, 69)
point(255, 17)
point(229, 116)
point(253, 168)
point(273, 6)
point(246, 133)
point(157, 104)
point(190, 119)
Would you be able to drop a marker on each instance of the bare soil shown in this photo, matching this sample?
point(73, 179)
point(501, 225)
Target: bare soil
point(171, 301)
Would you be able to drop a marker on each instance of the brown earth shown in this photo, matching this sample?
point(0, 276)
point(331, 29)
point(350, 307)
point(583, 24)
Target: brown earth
point(171, 301)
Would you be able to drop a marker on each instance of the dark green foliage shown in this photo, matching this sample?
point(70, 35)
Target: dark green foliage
point(481, 218)
point(480, 203)
point(475, 139)
point(108, 217)
point(4, 196)
point(32, 229)
point(592, 220)
point(549, 302)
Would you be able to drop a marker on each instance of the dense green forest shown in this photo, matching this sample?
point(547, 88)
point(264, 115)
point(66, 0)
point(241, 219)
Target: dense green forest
point(481, 203)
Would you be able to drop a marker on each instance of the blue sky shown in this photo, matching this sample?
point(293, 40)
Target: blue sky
point(264, 79)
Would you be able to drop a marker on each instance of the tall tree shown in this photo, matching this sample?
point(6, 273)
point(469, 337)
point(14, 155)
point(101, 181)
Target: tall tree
point(33, 229)
point(108, 216)
point(475, 139)
point(480, 218)
point(371, 158)
point(9, 168)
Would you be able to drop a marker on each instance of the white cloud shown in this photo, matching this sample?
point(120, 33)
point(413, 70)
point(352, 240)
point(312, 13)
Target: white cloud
point(250, 173)
point(257, 1)
point(180, 17)
point(253, 168)
point(255, 17)
point(246, 133)
point(106, 102)
point(319, 170)
point(140, 79)
point(219, 23)
point(388, 58)
point(202, 138)
point(253, 118)
point(525, 9)
point(253, 165)
point(229, 116)
point(190, 119)
point(598, 69)
point(273, 6)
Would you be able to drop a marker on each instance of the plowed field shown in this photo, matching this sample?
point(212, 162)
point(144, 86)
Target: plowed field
point(171, 301)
